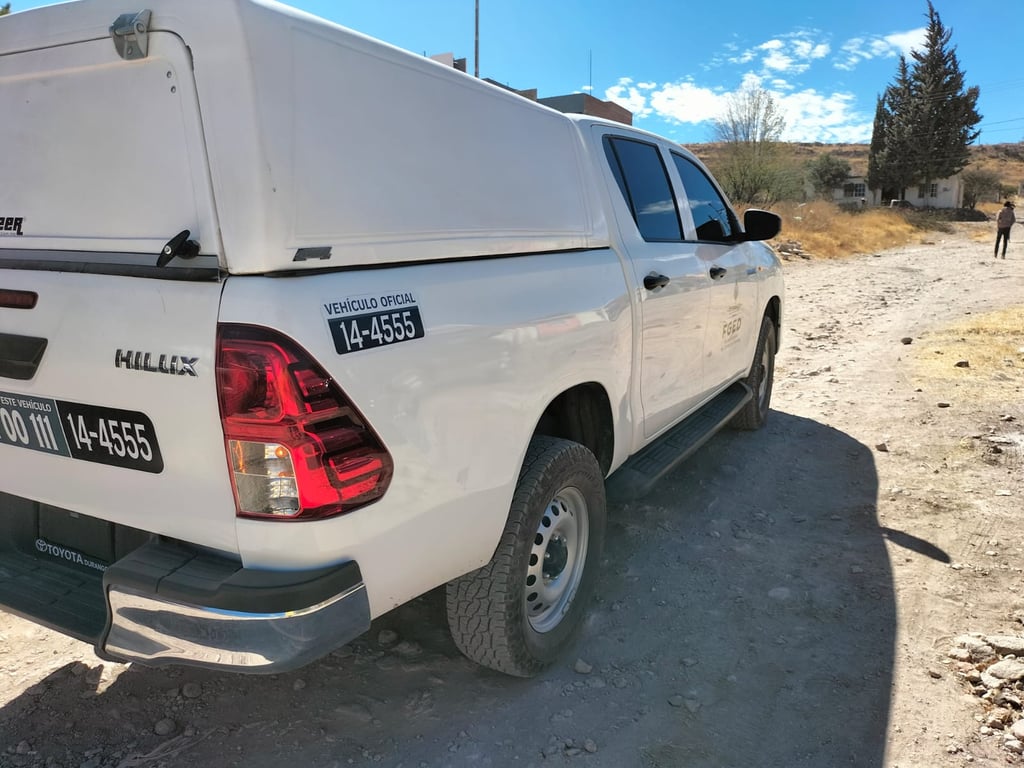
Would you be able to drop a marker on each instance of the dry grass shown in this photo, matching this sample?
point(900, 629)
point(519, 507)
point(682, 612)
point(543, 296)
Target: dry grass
point(824, 230)
point(992, 345)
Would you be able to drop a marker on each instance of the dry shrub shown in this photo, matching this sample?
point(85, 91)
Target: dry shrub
point(826, 230)
point(992, 345)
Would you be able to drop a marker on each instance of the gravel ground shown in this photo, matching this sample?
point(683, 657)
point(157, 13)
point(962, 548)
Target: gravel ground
point(800, 596)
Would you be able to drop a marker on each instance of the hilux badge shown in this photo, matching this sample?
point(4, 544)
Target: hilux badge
point(175, 365)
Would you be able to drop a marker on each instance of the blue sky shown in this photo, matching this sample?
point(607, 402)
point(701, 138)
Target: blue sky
point(675, 63)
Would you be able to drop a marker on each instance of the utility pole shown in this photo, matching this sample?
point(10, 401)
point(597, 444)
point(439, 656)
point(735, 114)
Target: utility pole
point(476, 43)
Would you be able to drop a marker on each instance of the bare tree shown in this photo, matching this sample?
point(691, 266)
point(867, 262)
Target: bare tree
point(751, 117)
point(754, 169)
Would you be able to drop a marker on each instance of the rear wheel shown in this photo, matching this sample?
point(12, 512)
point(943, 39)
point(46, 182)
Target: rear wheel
point(760, 379)
point(520, 611)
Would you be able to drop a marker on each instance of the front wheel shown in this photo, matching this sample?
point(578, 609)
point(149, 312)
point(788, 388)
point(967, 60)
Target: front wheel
point(520, 611)
point(760, 379)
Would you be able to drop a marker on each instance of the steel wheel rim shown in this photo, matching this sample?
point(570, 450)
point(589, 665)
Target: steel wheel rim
point(556, 561)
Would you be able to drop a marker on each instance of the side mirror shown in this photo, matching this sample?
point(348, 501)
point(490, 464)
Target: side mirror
point(761, 225)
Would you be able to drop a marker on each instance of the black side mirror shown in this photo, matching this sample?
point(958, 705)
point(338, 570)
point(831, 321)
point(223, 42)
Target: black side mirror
point(761, 225)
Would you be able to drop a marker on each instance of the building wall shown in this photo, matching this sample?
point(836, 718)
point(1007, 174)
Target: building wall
point(585, 104)
point(945, 193)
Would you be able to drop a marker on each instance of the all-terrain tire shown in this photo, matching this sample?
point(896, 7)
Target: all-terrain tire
point(760, 379)
point(518, 613)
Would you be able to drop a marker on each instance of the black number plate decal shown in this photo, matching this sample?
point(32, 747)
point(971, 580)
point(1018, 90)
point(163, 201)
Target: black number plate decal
point(377, 329)
point(86, 432)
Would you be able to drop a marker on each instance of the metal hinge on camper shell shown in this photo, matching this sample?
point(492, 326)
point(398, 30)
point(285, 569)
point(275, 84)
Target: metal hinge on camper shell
point(130, 32)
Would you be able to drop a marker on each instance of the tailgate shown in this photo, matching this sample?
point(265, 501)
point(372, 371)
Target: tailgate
point(108, 402)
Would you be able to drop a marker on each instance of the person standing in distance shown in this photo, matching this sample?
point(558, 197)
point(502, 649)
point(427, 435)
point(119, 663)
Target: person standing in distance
point(1004, 221)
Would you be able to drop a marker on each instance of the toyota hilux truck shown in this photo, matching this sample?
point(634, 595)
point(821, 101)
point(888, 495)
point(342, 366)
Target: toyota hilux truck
point(296, 326)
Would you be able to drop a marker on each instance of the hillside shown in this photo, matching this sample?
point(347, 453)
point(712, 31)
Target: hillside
point(1006, 159)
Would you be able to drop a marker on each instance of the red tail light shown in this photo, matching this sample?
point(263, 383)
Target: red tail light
point(297, 448)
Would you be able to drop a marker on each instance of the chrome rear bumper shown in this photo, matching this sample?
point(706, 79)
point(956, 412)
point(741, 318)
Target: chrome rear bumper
point(172, 605)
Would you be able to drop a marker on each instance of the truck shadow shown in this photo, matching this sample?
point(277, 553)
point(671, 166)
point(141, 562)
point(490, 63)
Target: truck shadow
point(744, 617)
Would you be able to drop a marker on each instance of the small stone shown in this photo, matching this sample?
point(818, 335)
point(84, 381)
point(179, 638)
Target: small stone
point(551, 750)
point(960, 654)
point(354, 711)
point(299, 685)
point(1017, 730)
point(582, 668)
point(1007, 669)
point(692, 705)
point(985, 731)
point(1004, 492)
point(991, 682)
point(1014, 745)
point(191, 690)
point(998, 718)
point(961, 364)
point(935, 674)
point(690, 662)
point(590, 746)
point(856, 569)
point(942, 404)
point(1006, 644)
point(906, 340)
point(882, 448)
point(23, 748)
point(408, 649)
point(676, 701)
point(165, 727)
point(387, 637)
point(573, 751)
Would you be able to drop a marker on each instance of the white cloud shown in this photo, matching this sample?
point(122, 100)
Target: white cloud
point(808, 114)
point(626, 94)
point(858, 49)
point(778, 61)
point(686, 103)
point(828, 117)
point(792, 53)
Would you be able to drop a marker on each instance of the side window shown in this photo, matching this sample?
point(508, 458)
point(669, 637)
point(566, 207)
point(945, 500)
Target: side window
point(644, 183)
point(711, 215)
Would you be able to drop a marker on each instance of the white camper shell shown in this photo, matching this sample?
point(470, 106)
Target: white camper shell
point(230, 104)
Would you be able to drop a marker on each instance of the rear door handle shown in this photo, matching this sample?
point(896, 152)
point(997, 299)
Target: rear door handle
point(717, 273)
point(654, 281)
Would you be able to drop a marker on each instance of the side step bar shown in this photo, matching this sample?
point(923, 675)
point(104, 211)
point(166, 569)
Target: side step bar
point(642, 471)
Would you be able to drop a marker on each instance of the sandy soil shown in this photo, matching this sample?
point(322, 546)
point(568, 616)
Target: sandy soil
point(786, 598)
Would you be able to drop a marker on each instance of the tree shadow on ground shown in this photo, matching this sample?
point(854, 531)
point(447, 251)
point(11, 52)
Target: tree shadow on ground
point(744, 617)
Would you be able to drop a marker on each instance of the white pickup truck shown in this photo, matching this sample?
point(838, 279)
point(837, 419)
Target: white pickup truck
point(296, 326)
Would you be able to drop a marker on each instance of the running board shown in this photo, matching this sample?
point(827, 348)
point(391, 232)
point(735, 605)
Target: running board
point(644, 469)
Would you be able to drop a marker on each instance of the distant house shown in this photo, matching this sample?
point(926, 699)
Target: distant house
point(944, 193)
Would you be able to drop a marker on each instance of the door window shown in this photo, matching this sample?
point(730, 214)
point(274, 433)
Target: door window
point(644, 183)
point(712, 216)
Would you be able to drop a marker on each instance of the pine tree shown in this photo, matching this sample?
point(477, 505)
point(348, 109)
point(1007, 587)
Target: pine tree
point(946, 114)
point(895, 148)
point(926, 119)
point(5, 9)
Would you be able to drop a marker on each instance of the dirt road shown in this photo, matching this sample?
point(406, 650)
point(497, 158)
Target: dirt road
point(787, 598)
